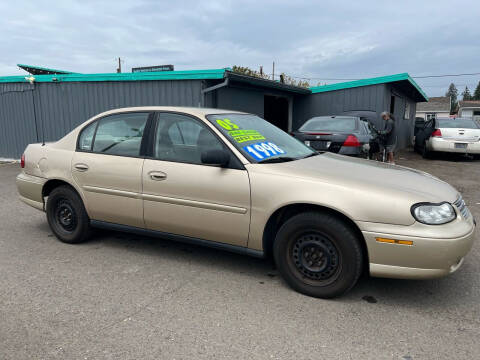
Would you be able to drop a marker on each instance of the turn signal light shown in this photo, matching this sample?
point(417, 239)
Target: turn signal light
point(437, 133)
point(393, 241)
point(351, 140)
point(22, 161)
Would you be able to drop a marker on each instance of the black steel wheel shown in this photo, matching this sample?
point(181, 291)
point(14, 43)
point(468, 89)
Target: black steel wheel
point(315, 258)
point(66, 215)
point(318, 254)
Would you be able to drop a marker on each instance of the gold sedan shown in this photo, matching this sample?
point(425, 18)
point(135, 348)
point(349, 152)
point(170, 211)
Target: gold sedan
point(233, 181)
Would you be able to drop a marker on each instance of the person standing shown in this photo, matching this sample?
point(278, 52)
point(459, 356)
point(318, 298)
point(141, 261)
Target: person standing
point(390, 136)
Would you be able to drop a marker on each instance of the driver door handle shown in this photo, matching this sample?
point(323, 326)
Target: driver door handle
point(157, 175)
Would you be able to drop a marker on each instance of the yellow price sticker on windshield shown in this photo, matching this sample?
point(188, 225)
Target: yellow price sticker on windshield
point(227, 124)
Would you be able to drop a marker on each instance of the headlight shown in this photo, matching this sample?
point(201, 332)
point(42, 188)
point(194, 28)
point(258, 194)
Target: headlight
point(433, 214)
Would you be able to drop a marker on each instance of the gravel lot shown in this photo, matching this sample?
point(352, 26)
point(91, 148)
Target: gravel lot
point(122, 296)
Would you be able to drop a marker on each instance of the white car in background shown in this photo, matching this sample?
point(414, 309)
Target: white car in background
point(456, 135)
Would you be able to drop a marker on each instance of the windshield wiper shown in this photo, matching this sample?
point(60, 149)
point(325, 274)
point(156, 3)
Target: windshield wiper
point(277, 160)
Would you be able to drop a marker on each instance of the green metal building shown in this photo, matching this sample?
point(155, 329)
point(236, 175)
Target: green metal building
point(47, 103)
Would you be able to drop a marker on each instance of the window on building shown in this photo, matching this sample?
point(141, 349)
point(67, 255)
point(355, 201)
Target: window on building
point(407, 110)
point(392, 104)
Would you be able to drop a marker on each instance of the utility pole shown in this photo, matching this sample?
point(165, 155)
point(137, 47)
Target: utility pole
point(119, 69)
point(273, 71)
point(261, 71)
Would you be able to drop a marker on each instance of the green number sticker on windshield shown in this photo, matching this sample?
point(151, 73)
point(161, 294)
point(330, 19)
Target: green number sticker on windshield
point(227, 124)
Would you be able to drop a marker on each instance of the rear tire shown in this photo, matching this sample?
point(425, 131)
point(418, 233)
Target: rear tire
point(426, 154)
point(67, 217)
point(318, 255)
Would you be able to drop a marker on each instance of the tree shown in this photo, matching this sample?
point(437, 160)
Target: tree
point(452, 92)
point(284, 78)
point(476, 94)
point(466, 94)
point(260, 74)
point(247, 71)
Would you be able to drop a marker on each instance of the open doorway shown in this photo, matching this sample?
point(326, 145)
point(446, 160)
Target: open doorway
point(275, 111)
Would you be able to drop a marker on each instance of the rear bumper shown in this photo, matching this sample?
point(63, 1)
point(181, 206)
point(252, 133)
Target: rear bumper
point(427, 257)
point(353, 150)
point(447, 145)
point(30, 190)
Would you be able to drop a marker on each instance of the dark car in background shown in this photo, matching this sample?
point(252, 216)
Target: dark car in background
point(343, 134)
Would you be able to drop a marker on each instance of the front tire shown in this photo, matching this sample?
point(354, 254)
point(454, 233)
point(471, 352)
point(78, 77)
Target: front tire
point(67, 217)
point(318, 255)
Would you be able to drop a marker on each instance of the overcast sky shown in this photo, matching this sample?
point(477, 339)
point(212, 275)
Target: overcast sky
point(314, 39)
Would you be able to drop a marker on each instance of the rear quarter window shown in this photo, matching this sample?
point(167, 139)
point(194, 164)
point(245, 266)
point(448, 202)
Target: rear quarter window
point(85, 140)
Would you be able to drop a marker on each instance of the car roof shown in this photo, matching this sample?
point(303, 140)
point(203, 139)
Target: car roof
point(455, 118)
point(183, 109)
point(334, 117)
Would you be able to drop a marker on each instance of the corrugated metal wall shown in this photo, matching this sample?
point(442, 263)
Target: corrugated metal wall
point(60, 107)
point(404, 125)
point(372, 98)
point(17, 121)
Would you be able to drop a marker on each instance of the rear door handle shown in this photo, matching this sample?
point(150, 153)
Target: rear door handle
point(157, 175)
point(81, 167)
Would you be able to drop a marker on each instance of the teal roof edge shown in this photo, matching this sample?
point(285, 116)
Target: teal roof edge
point(370, 81)
point(161, 75)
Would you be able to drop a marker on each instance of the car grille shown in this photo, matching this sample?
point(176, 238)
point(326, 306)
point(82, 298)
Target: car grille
point(462, 207)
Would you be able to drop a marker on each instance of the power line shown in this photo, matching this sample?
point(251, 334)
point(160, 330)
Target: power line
point(439, 76)
point(415, 77)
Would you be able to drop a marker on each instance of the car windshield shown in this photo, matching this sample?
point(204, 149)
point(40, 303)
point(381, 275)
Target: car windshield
point(330, 123)
point(258, 140)
point(457, 123)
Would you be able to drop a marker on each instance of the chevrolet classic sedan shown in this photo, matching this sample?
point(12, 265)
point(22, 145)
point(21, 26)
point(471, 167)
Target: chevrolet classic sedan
point(233, 181)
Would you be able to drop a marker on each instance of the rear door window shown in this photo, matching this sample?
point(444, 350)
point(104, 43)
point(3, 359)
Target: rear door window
point(119, 134)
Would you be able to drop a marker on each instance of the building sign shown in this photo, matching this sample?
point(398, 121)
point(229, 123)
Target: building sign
point(153, 68)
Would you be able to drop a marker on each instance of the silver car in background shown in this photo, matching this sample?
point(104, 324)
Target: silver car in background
point(346, 135)
point(454, 135)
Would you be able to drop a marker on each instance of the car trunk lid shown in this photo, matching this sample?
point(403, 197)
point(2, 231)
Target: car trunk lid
point(323, 141)
point(460, 135)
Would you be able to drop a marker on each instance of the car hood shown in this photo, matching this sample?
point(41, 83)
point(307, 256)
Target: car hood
point(367, 176)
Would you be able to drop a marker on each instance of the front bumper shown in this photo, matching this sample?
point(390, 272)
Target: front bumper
point(429, 256)
point(30, 190)
point(448, 145)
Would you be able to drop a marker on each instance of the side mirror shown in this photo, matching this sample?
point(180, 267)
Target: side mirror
point(215, 157)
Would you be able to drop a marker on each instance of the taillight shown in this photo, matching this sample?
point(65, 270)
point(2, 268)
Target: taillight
point(22, 161)
point(437, 133)
point(351, 140)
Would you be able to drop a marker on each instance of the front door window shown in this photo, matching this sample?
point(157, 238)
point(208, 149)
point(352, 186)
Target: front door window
point(181, 138)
